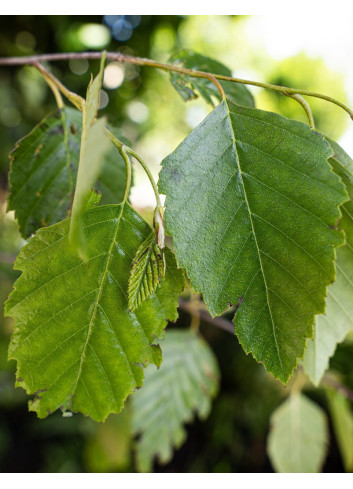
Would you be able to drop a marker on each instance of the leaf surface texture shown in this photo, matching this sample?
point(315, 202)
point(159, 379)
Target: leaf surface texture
point(44, 169)
point(252, 204)
point(76, 344)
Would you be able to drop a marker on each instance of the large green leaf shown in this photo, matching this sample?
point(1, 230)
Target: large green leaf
point(342, 420)
point(183, 386)
point(76, 344)
point(332, 327)
point(43, 171)
point(298, 437)
point(188, 86)
point(44, 168)
point(252, 206)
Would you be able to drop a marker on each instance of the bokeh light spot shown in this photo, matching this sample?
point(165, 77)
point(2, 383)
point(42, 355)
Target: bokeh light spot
point(121, 30)
point(113, 75)
point(94, 35)
point(122, 25)
point(78, 66)
point(194, 115)
point(25, 41)
point(138, 112)
point(164, 39)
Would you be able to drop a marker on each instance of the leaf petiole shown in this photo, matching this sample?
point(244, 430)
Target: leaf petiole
point(306, 107)
point(158, 221)
point(127, 161)
point(148, 173)
point(52, 81)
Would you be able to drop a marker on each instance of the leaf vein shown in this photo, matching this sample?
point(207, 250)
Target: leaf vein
point(257, 245)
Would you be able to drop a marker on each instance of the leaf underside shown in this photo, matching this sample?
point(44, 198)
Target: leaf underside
point(146, 272)
point(76, 344)
point(189, 87)
point(332, 327)
point(44, 169)
point(252, 205)
point(184, 385)
point(94, 146)
point(298, 439)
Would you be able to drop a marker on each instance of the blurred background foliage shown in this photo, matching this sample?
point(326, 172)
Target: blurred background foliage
point(143, 104)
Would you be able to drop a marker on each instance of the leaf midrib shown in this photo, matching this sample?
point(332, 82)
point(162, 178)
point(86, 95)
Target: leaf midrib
point(99, 295)
point(254, 234)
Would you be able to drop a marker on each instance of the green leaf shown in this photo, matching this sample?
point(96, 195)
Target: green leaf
point(298, 437)
point(332, 327)
point(43, 171)
point(342, 420)
point(94, 146)
point(93, 94)
point(251, 204)
point(146, 272)
point(184, 385)
point(44, 168)
point(189, 87)
point(76, 344)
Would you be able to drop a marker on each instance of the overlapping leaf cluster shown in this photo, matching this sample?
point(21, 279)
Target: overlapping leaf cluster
point(44, 168)
point(256, 204)
point(77, 343)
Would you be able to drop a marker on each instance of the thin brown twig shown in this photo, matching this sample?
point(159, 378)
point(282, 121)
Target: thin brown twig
point(120, 57)
point(124, 58)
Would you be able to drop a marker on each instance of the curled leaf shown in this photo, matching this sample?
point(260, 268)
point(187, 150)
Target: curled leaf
point(146, 272)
